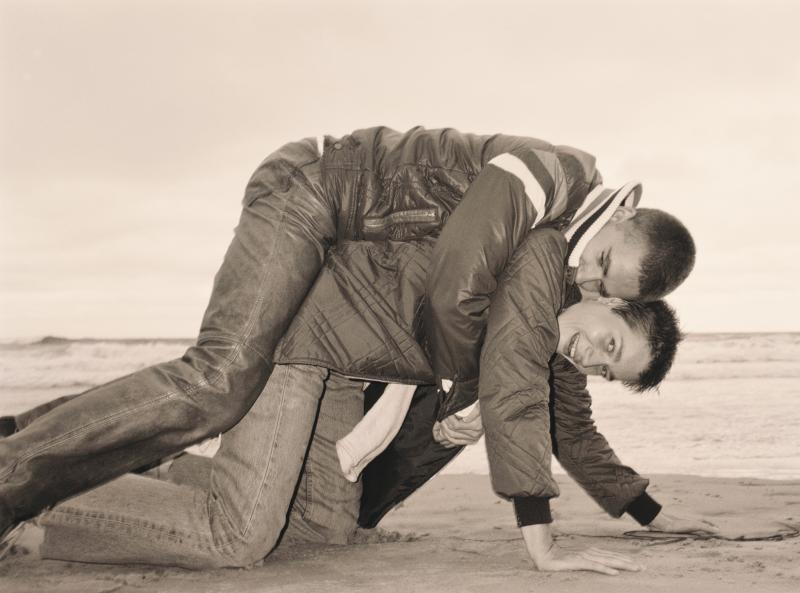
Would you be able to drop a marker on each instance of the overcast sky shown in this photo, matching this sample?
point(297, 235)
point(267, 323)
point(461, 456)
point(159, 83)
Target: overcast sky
point(129, 129)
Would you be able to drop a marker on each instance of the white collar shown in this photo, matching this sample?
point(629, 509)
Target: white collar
point(597, 209)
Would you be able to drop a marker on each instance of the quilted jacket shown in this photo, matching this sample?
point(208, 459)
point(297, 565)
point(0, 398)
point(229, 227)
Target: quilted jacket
point(364, 318)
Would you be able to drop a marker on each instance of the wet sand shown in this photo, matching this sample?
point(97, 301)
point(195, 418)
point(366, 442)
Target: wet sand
point(455, 535)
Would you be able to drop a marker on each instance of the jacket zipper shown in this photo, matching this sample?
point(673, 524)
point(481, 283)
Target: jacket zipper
point(402, 217)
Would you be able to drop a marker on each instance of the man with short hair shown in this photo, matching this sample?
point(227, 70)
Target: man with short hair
point(369, 185)
point(235, 518)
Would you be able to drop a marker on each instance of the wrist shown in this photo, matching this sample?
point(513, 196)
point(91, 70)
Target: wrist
point(539, 542)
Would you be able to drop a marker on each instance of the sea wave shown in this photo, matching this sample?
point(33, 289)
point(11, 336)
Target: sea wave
point(728, 406)
point(58, 362)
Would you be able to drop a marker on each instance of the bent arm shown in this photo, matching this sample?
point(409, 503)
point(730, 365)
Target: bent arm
point(522, 334)
point(512, 194)
point(585, 454)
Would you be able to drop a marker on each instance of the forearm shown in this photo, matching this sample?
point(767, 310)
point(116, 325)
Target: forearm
point(586, 455)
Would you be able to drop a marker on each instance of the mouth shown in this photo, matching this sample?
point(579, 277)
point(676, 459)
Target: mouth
point(572, 347)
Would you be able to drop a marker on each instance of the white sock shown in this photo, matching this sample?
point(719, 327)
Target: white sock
point(375, 431)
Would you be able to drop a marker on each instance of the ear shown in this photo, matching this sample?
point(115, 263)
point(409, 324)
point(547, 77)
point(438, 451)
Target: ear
point(623, 213)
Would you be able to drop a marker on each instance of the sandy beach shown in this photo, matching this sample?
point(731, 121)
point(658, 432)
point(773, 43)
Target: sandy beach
point(727, 415)
point(456, 535)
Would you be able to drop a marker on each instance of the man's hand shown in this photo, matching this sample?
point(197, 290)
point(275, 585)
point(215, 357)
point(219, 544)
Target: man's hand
point(593, 559)
point(455, 431)
point(549, 557)
point(677, 524)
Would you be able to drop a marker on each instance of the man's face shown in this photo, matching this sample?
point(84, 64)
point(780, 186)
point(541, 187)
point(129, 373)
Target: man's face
point(599, 342)
point(610, 263)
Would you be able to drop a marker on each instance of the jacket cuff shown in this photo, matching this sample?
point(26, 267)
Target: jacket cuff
point(532, 510)
point(643, 508)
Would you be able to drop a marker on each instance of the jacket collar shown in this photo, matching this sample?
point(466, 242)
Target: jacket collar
point(596, 211)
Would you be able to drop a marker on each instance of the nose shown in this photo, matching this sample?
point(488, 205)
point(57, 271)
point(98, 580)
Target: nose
point(588, 277)
point(592, 286)
point(593, 354)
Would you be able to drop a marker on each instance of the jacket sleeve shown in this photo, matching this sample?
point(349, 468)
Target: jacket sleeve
point(586, 455)
point(522, 334)
point(512, 193)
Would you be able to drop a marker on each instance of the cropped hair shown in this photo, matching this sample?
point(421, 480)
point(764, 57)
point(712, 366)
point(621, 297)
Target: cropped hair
point(659, 324)
point(670, 252)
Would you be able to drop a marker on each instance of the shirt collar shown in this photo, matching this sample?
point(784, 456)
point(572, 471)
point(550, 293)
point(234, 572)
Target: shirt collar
point(599, 206)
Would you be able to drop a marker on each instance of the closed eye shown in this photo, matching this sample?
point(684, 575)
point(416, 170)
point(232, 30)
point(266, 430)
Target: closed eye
point(605, 264)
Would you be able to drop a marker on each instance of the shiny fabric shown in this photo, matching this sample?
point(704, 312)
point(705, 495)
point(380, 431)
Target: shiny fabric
point(372, 184)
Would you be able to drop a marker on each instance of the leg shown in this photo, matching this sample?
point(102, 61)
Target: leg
point(325, 509)
point(11, 424)
point(234, 520)
point(326, 504)
point(277, 251)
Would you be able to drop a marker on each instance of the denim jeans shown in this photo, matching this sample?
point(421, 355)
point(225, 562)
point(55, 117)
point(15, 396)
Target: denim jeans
point(286, 225)
point(232, 509)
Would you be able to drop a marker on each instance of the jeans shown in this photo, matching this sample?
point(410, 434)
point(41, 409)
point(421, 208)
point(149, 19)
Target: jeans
point(232, 509)
point(286, 225)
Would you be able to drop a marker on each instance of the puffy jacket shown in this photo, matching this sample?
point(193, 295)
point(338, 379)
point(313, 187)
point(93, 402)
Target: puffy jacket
point(363, 319)
point(387, 184)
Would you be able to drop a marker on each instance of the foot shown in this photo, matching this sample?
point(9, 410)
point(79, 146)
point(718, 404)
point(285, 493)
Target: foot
point(25, 539)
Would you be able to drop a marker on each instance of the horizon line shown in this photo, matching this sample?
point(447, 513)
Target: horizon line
point(56, 338)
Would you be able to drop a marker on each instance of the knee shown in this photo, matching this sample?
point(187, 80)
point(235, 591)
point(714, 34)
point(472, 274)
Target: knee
point(244, 554)
point(223, 387)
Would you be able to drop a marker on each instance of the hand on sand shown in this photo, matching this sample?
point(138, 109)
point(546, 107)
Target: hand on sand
point(593, 559)
point(455, 431)
point(677, 524)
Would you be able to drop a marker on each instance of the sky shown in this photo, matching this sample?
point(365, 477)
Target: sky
point(128, 130)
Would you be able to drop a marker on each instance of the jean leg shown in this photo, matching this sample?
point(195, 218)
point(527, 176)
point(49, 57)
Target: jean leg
point(25, 418)
point(277, 252)
point(326, 507)
point(235, 520)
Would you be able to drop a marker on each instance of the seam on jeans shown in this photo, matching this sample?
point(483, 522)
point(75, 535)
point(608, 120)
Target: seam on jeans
point(230, 340)
point(308, 510)
point(270, 456)
point(69, 516)
point(191, 389)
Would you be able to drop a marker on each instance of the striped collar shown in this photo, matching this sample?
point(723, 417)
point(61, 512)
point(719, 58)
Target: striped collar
point(597, 209)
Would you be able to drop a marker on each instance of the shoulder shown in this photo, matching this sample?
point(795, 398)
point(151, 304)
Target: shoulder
point(545, 246)
point(535, 274)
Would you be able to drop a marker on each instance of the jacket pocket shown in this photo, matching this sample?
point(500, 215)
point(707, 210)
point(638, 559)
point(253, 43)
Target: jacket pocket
point(401, 225)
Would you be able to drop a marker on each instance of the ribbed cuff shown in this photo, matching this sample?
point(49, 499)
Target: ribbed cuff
point(532, 510)
point(643, 508)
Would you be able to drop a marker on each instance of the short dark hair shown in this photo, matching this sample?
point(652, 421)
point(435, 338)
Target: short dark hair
point(670, 252)
point(659, 324)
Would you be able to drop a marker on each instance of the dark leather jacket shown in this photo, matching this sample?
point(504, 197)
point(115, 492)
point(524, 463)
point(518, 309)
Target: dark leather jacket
point(385, 184)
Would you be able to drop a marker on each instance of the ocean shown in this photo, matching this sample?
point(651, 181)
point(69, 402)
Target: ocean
point(729, 408)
